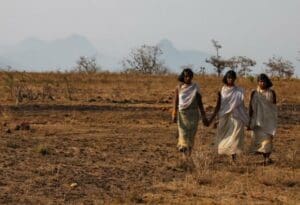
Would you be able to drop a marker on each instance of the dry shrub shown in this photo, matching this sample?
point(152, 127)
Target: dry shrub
point(42, 149)
point(136, 197)
point(118, 87)
point(278, 178)
point(69, 89)
point(13, 144)
point(204, 163)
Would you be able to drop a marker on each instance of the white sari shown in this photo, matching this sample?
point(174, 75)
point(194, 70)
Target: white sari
point(263, 121)
point(188, 115)
point(232, 119)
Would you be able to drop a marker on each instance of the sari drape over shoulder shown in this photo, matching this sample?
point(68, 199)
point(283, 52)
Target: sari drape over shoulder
point(232, 119)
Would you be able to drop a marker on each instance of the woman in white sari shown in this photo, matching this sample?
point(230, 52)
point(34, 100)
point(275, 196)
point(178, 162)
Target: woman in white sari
point(263, 117)
point(232, 117)
point(187, 103)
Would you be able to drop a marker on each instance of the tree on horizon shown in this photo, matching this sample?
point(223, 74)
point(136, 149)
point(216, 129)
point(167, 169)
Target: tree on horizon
point(277, 66)
point(146, 60)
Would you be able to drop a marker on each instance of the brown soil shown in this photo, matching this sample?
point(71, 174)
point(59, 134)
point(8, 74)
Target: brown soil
point(122, 149)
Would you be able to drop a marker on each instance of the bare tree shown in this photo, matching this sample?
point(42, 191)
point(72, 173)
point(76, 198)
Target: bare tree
point(87, 65)
point(241, 64)
point(145, 60)
point(280, 67)
point(201, 70)
point(217, 46)
point(220, 64)
point(216, 61)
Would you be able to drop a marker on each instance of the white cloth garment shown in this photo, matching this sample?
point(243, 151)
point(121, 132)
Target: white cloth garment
point(232, 101)
point(186, 95)
point(264, 112)
point(263, 121)
point(232, 119)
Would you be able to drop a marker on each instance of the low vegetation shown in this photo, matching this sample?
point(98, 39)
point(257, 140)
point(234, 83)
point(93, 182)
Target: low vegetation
point(107, 138)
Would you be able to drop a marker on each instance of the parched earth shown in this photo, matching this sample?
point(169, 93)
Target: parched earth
point(120, 153)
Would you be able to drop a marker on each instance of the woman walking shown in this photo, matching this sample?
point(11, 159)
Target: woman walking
point(232, 117)
point(187, 103)
point(263, 117)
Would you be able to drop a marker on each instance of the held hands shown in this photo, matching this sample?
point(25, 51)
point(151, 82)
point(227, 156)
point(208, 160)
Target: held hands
point(205, 122)
point(210, 121)
point(249, 125)
point(219, 96)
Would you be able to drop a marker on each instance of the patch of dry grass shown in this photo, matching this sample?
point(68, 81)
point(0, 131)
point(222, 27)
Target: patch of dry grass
point(114, 139)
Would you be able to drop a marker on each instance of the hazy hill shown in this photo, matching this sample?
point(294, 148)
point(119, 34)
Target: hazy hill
point(35, 54)
point(39, 55)
point(175, 58)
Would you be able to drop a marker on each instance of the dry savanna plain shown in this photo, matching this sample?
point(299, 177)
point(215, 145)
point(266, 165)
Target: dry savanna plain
point(71, 138)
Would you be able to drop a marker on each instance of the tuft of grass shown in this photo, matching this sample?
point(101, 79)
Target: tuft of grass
point(12, 145)
point(135, 197)
point(204, 179)
point(43, 149)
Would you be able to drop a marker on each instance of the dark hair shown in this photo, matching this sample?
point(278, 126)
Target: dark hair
point(229, 74)
point(188, 71)
point(263, 77)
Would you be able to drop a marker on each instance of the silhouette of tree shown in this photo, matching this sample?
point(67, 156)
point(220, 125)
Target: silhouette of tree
point(217, 46)
point(241, 64)
point(145, 60)
point(87, 65)
point(201, 70)
point(219, 63)
point(277, 66)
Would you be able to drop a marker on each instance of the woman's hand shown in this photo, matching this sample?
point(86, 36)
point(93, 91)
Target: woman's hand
point(205, 122)
point(249, 127)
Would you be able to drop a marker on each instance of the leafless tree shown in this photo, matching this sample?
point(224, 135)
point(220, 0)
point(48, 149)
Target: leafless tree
point(216, 61)
point(217, 46)
point(241, 64)
point(220, 64)
point(201, 70)
point(145, 60)
point(87, 65)
point(277, 66)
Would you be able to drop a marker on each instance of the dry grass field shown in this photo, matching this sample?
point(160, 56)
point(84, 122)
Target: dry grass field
point(108, 139)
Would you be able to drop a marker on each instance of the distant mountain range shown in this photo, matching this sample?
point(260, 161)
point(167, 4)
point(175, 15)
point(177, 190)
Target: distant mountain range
point(37, 55)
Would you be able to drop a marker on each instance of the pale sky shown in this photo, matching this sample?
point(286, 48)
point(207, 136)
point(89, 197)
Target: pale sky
point(253, 28)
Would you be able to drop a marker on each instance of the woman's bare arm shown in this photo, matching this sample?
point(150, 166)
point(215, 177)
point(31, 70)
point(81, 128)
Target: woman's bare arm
point(201, 108)
point(274, 97)
point(250, 104)
point(250, 109)
point(217, 108)
point(175, 105)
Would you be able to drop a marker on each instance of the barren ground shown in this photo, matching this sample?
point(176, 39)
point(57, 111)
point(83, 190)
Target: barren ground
point(114, 139)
